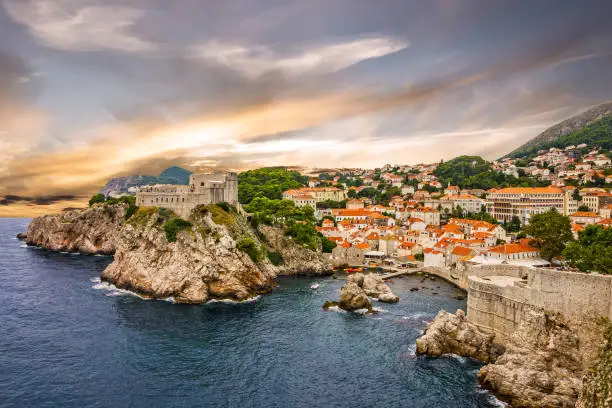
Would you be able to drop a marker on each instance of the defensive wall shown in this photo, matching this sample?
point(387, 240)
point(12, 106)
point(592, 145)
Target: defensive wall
point(500, 295)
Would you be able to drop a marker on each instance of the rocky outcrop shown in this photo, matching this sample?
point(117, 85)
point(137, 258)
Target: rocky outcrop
point(596, 389)
point(454, 334)
point(353, 297)
point(202, 264)
point(374, 286)
point(296, 260)
point(541, 367)
point(355, 293)
point(89, 231)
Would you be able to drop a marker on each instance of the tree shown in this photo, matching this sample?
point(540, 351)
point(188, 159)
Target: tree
point(352, 193)
point(98, 198)
point(576, 195)
point(584, 208)
point(514, 225)
point(269, 182)
point(592, 251)
point(550, 231)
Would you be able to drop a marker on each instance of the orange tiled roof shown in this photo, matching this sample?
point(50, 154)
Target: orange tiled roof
point(584, 214)
point(512, 249)
point(461, 251)
point(529, 190)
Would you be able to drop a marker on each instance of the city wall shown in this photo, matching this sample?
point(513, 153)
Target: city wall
point(500, 295)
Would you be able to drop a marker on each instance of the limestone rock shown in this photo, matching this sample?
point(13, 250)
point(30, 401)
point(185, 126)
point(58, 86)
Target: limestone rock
point(453, 333)
point(89, 231)
point(353, 297)
point(375, 286)
point(202, 264)
point(541, 367)
point(22, 236)
point(297, 260)
point(596, 389)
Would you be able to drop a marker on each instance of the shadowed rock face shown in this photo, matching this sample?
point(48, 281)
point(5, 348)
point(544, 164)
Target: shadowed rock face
point(87, 231)
point(202, 264)
point(452, 333)
point(297, 260)
point(541, 364)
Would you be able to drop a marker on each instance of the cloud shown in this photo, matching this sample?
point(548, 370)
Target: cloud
point(41, 200)
point(255, 61)
point(73, 25)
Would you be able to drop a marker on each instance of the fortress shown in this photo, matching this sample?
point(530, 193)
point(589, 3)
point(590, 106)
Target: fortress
point(202, 189)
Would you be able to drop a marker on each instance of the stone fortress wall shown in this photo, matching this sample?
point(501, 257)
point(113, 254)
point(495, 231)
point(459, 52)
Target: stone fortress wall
point(202, 189)
point(500, 295)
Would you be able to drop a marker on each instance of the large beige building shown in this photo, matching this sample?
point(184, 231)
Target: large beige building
point(524, 202)
point(202, 189)
point(319, 194)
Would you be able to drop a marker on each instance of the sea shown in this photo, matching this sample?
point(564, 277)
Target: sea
point(69, 340)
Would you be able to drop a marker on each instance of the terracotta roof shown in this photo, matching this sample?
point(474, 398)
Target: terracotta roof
point(461, 251)
point(512, 249)
point(584, 214)
point(529, 190)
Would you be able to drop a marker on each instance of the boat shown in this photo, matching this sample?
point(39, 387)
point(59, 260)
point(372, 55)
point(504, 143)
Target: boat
point(314, 286)
point(353, 270)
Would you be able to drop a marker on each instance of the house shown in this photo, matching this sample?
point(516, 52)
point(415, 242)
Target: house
point(355, 204)
point(347, 254)
point(430, 216)
point(460, 252)
point(585, 218)
point(521, 250)
point(433, 257)
point(451, 191)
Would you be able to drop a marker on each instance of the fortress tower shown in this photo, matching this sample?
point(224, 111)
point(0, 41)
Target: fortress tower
point(202, 189)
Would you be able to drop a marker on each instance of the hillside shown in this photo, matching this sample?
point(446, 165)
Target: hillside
point(593, 127)
point(172, 175)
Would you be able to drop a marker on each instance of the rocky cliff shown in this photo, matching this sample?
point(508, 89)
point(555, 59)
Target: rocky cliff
point(541, 365)
point(214, 255)
point(203, 263)
point(89, 231)
point(296, 260)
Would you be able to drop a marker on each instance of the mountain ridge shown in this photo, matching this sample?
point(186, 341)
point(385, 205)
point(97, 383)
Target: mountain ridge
point(563, 128)
point(171, 175)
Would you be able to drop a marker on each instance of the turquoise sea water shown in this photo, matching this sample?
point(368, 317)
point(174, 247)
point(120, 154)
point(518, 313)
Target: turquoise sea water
point(67, 340)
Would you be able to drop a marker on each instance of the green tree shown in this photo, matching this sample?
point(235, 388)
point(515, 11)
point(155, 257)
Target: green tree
point(269, 182)
point(514, 225)
point(250, 247)
point(550, 231)
point(584, 208)
point(98, 198)
point(592, 251)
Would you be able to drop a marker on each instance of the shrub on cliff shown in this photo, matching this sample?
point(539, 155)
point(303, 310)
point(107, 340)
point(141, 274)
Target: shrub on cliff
point(173, 226)
point(98, 198)
point(248, 245)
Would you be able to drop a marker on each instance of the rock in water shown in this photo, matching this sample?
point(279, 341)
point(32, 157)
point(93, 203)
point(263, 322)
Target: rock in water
point(202, 264)
point(353, 297)
point(22, 236)
point(375, 286)
point(452, 333)
point(89, 231)
point(541, 367)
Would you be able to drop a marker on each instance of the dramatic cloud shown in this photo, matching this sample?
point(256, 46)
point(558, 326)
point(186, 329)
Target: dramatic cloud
point(254, 61)
point(239, 84)
point(77, 25)
point(45, 200)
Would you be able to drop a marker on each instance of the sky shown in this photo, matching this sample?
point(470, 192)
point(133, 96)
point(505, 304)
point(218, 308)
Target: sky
point(95, 89)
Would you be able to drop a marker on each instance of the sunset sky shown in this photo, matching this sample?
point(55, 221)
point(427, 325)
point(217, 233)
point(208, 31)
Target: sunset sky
point(94, 89)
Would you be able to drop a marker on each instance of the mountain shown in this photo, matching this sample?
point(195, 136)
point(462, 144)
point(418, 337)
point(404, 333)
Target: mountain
point(172, 175)
point(593, 127)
